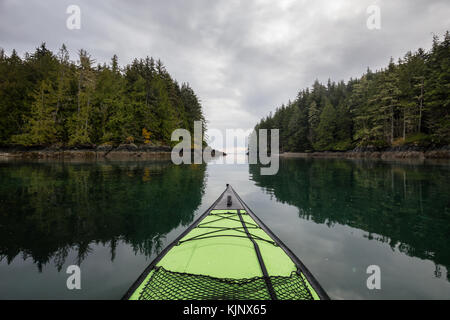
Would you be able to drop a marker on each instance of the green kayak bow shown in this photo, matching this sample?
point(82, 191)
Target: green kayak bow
point(227, 253)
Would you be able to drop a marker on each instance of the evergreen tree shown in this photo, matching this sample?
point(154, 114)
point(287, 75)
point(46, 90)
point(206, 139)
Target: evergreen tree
point(344, 128)
point(41, 127)
point(313, 121)
point(15, 95)
point(80, 125)
point(326, 128)
point(164, 122)
point(109, 104)
point(437, 84)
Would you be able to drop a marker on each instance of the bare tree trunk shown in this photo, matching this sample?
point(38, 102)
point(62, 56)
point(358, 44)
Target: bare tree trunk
point(58, 104)
point(421, 106)
point(79, 91)
point(404, 125)
point(87, 115)
point(392, 125)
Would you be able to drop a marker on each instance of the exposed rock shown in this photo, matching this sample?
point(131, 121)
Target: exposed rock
point(217, 153)
point(154, 148)
point(127, 147)
point(366, 149)
point(442, 153)
point(105, 147)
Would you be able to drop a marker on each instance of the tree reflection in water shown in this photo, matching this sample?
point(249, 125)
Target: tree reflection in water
point(406, 205)
point(47, 209)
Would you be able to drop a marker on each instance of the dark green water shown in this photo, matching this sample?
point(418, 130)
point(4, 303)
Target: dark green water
point(111, 218)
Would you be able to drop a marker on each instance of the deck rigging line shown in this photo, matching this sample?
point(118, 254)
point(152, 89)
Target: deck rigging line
point(216, 232)
point(272, 293)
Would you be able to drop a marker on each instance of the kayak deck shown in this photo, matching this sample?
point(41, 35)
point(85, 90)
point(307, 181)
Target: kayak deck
point(225, 254)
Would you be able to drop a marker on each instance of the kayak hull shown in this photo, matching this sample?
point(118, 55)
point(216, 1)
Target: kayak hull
point(227, 253)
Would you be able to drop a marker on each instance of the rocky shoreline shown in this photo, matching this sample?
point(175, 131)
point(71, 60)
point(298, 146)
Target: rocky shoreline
point(393, 153)
point(102, 152)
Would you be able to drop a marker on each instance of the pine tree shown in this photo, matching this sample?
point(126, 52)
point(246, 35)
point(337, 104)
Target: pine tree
point(80, 126)
point(384, 106)
point(359, 106)
point(109, 104)
point(437, 84)
point(344, 127)
point(41, 126)
point(327, 127)
point(313, 121)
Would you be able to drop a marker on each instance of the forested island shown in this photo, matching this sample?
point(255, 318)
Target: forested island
point(48, 100)
point(405, 104)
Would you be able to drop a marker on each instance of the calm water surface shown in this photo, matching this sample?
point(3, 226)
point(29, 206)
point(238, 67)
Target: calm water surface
point(112, 218)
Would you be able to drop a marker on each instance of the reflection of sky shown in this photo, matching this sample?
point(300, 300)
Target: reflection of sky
point(230, 159)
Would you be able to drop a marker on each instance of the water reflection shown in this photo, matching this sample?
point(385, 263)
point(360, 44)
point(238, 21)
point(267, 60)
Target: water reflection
point(49, 209)
point(404, 205)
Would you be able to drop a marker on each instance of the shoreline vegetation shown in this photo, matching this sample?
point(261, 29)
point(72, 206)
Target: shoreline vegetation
point(400, 111)
point(163, 152)
point(129, 151)
point(406, 153)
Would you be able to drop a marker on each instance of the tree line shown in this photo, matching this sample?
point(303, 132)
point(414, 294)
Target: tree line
point(406, 103)
point(47, 99)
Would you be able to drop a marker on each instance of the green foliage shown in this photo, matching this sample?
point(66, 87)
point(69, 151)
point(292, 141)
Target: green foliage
point(437, 88)
point(47, 99)
point(419, 139)
point(408, 102)
point(327, 128)
point(15, 101)
point(343, 145)
point(41, 125)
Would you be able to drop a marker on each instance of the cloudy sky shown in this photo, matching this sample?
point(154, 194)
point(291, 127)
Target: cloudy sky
point(243, 58)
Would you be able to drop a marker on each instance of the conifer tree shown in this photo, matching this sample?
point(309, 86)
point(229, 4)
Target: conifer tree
point(326, 128)
point(437, 84)
point(80, 126)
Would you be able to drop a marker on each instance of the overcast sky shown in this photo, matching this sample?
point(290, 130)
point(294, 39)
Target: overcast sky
point(242, 58)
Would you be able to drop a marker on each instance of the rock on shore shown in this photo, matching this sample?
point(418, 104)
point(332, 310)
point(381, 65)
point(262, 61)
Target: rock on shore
point(403, 152)
point(129, 151)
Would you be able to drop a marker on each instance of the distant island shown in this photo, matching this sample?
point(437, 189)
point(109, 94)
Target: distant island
point(402, 108)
